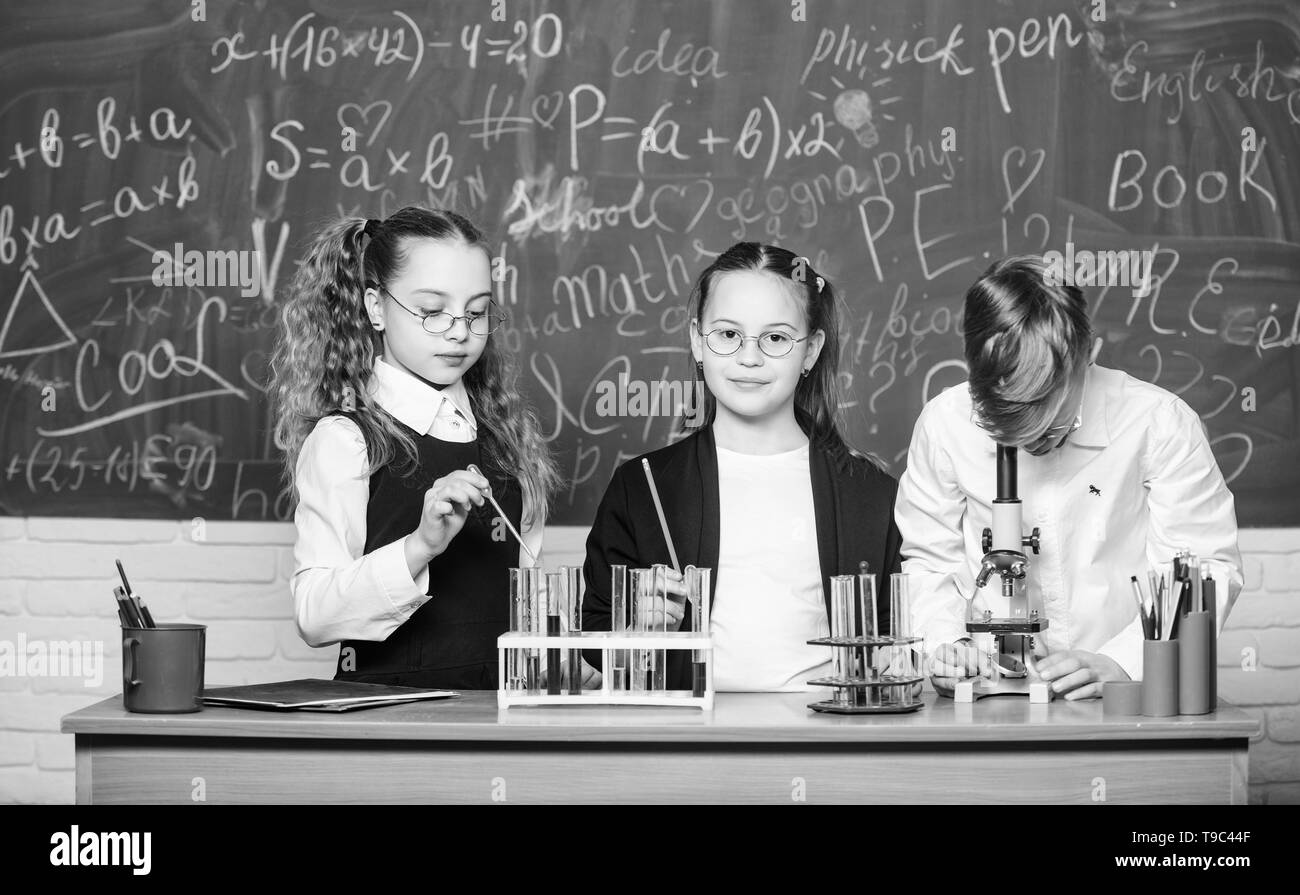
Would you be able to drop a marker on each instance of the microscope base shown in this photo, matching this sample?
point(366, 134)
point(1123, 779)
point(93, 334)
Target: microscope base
point(971, 690)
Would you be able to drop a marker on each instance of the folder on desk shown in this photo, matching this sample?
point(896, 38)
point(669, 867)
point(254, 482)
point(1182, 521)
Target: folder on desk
point(313, 695)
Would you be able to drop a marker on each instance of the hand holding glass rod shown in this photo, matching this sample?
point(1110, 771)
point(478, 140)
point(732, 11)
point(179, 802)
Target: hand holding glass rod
point(504, 518)
point(659, 508)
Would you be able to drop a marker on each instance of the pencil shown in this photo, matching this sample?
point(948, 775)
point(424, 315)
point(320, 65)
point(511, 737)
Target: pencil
point(133, 617)
point(1142, 613)
point(121, 613)
point(144, 612)
point(659, 508)
point(139, 611)
point(1155, 595)
point(1180, 607)
point(504, 518)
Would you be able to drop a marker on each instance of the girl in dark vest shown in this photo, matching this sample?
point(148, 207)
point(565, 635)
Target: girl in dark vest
point(766, 492)
point(398, 413)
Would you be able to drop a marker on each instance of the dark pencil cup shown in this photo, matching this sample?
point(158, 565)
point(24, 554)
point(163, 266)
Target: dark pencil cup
point(1159, 678)
point(162, 668)
point(1196, 664)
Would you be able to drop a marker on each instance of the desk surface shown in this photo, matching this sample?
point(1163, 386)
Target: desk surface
point(736, 718)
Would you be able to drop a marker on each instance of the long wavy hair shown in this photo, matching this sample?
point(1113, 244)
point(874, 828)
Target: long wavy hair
point(324, 358)
point(818, 396)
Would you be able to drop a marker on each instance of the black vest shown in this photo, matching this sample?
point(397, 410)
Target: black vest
point(451, 641)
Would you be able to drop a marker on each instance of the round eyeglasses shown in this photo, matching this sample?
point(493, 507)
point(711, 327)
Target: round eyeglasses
point(727, 341)
point(481, 323)
point(1057, 434)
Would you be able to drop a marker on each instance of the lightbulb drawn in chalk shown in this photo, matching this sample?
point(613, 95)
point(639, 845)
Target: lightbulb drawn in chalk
point(856, 111)
point(853, 111)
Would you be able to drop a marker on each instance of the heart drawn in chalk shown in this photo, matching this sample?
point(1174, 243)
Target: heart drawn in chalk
point(363, 114)
point(1015, 193)
point(553, 100)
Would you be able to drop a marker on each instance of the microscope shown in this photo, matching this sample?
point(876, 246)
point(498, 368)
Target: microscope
point(1004, 566)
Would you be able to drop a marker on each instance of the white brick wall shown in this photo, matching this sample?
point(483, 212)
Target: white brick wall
point(56, 577)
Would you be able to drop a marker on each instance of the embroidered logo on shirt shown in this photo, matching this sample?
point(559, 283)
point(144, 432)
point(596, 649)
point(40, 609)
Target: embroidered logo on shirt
point(1093, 489)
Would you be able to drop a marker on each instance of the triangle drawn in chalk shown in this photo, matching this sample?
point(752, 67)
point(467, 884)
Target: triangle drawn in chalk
point(29, 277)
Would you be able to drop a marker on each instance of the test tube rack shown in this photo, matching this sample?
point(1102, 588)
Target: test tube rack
point(515, 690)
point(866, 690)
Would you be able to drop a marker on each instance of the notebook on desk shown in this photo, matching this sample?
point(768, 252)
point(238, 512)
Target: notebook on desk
point(314, 695)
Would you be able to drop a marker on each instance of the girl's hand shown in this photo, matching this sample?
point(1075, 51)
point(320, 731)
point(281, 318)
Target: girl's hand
point(591, 679)
point(673, 608)
point(446, 506)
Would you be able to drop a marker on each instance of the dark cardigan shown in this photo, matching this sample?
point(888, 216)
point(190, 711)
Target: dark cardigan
point(853, 503)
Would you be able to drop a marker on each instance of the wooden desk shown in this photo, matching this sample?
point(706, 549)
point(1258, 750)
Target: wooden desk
point(752, 748)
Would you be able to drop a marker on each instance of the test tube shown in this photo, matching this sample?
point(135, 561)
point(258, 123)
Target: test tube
point(640, 659)
point(867, 624)
point(529, 579)
point(698, 582)
point(554, 611)
point(519, 624)
point(900, 626)
point(842, 604)
point(618, 624)
point(573, 595)
point(659, 581)
point(900, 605)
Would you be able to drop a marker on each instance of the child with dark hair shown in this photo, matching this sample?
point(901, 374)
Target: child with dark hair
point(767, 492)
point(398, 414)
point(1118, 477)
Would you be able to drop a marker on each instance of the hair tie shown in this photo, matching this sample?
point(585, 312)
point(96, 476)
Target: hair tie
point(371, 228)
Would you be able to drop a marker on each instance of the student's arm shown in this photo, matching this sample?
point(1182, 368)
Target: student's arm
point(1189, 506)
point(928, 511)
point(338, 593)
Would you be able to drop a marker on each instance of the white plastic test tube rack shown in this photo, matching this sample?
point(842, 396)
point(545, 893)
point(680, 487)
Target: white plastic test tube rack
point(525, 683)
point(872, 673)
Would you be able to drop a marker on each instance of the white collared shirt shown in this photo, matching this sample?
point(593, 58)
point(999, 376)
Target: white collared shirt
point(1133, 485)
point(339, 593)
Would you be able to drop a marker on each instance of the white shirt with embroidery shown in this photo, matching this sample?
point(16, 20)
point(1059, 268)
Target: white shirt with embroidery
point(1133, 485)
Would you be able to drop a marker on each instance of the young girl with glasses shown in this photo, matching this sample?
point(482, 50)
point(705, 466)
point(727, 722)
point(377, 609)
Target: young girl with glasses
point(766, 492)
point(398, 414)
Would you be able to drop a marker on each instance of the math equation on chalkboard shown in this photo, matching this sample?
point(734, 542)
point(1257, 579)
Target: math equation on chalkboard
point(164, 166)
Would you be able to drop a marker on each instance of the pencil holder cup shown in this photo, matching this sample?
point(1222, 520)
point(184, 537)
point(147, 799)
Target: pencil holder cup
point(162, 668)
point(1196, 694)
point(1121, 698)
point(1159, 678)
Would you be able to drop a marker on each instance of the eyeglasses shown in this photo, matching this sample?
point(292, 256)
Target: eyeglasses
point(439, 322)
point(1053, 433)
point(728, 341)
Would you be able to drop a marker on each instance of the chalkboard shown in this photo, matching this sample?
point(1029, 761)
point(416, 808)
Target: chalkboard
point(610, 149)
